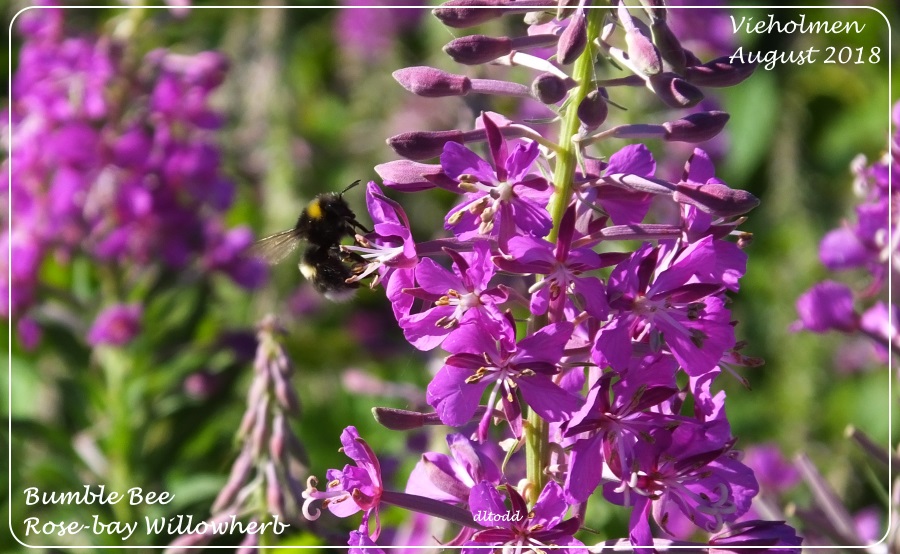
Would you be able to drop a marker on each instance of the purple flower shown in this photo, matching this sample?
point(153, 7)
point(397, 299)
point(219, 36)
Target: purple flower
point(703, 196)
point(20, 280)
point(502, 198)
point(690, 469)
point(226, 252)
point(827, 306)
point(389, 249)
point(457, 299)
point(842, 249)
point(670, 296)
point(116, 325)
point(615, 417)
point(352, 489)
point(368, 33)
point(479, 359)
point(134, 184)
point(451, 478)
point(29, 333)
point(360, 543)
point(562, 268)
point(755, 536)
point(624, 207)
point(521, 528)
point(774, 473)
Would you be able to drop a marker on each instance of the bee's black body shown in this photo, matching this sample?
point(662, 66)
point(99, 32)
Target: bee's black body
point(323, 224)
point(326, 220)
point(326, 269)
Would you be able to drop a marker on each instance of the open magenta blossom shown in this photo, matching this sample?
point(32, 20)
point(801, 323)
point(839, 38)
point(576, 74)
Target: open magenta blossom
point(502, 198)
point(454, 299)
point(517, 528)
point(480, 360)
point(691, 470)
point(451, 478)
point(389, 250)
point(565, 272)
point(601, 185)
point(616, 417)
point(353, 489)
point(861, 245)
point(669, 293)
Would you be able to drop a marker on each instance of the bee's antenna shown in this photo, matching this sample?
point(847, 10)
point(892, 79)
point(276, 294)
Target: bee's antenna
point(353, 184)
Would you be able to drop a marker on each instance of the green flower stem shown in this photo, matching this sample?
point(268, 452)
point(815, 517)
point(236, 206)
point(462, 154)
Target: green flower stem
point(116, 366)
point(566, 158)
point(537, 454)
point(537, 431)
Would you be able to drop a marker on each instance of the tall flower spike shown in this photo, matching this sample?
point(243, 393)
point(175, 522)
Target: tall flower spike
point(271, 454)
point(661, 311)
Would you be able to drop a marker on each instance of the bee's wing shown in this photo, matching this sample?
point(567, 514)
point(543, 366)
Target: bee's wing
point(275, 248)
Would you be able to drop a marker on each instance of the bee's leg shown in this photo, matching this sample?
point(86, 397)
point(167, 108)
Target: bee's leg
point(357, 225)
point(357, 262)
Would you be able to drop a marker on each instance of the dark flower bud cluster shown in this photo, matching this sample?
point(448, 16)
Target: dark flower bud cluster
point(582, 332)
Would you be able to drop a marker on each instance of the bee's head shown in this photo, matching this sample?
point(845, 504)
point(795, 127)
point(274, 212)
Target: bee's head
point(330, 207)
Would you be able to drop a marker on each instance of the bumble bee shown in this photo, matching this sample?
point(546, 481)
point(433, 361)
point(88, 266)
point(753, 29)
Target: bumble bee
point(325, 221)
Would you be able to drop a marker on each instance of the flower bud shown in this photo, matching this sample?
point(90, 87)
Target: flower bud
point(667, 44)
point(573, 40)
point(409, 176)
point(549, 88)
point(719, 73)
point(261, 428)
point(278, 439)
point(240, 471)
point(675, 91)
point(431, 82)
point(538, 18)
point(592, 110)
point(249, 544)
point(695, 127)
point(286, 395)
point(478, 49)
point(656, 9)
point(715, 198)
point(643, 53)
point(396, 419)
point(638, 183)
point(274, 494)
point(690, 59)
point(422, 145)
point(468, 13)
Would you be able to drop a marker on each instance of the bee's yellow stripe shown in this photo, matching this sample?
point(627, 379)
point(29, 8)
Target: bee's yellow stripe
point(314, 209)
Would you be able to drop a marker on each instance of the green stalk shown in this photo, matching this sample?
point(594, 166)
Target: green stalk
point(116, 366)
point(566, 159)
point(537, 431)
